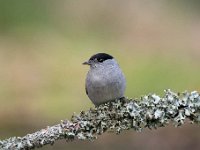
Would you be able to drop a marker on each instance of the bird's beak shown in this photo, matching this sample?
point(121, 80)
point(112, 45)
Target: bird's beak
point(86, 63)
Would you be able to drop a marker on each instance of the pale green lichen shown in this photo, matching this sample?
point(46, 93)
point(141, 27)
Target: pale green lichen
point(151, 111)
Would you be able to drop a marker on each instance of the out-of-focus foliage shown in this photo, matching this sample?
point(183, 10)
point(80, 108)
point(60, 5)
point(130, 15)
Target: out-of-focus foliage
point(44, 42)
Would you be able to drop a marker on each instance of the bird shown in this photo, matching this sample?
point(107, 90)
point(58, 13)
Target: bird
point(105, 80)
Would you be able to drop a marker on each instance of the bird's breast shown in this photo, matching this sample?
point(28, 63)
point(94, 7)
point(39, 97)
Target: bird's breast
point(103, 77)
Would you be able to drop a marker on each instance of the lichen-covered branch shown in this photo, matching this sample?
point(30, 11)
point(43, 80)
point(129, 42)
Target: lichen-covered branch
point(150, 111)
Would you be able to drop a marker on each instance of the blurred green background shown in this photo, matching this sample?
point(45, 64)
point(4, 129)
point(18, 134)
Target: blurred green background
point(44, 42)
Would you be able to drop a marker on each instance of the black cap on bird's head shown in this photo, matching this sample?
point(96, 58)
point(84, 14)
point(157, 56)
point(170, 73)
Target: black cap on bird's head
point(99, 57)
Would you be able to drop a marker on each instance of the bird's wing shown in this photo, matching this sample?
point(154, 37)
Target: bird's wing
point(86, 90)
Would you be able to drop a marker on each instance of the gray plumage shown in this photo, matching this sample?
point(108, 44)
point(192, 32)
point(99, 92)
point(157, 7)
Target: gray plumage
point(105, 81)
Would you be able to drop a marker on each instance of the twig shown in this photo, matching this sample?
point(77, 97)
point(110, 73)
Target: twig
point(151, 111)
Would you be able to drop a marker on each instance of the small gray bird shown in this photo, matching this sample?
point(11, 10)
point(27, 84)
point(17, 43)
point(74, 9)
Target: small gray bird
point(105, 80)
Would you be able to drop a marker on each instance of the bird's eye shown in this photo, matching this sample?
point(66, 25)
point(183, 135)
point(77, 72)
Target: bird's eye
point(100, 60)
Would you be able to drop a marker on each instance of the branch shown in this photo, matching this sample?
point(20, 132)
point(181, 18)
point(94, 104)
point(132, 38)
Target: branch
point(149, 112)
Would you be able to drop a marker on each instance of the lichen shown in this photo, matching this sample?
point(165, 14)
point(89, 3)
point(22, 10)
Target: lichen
point(152, 112)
